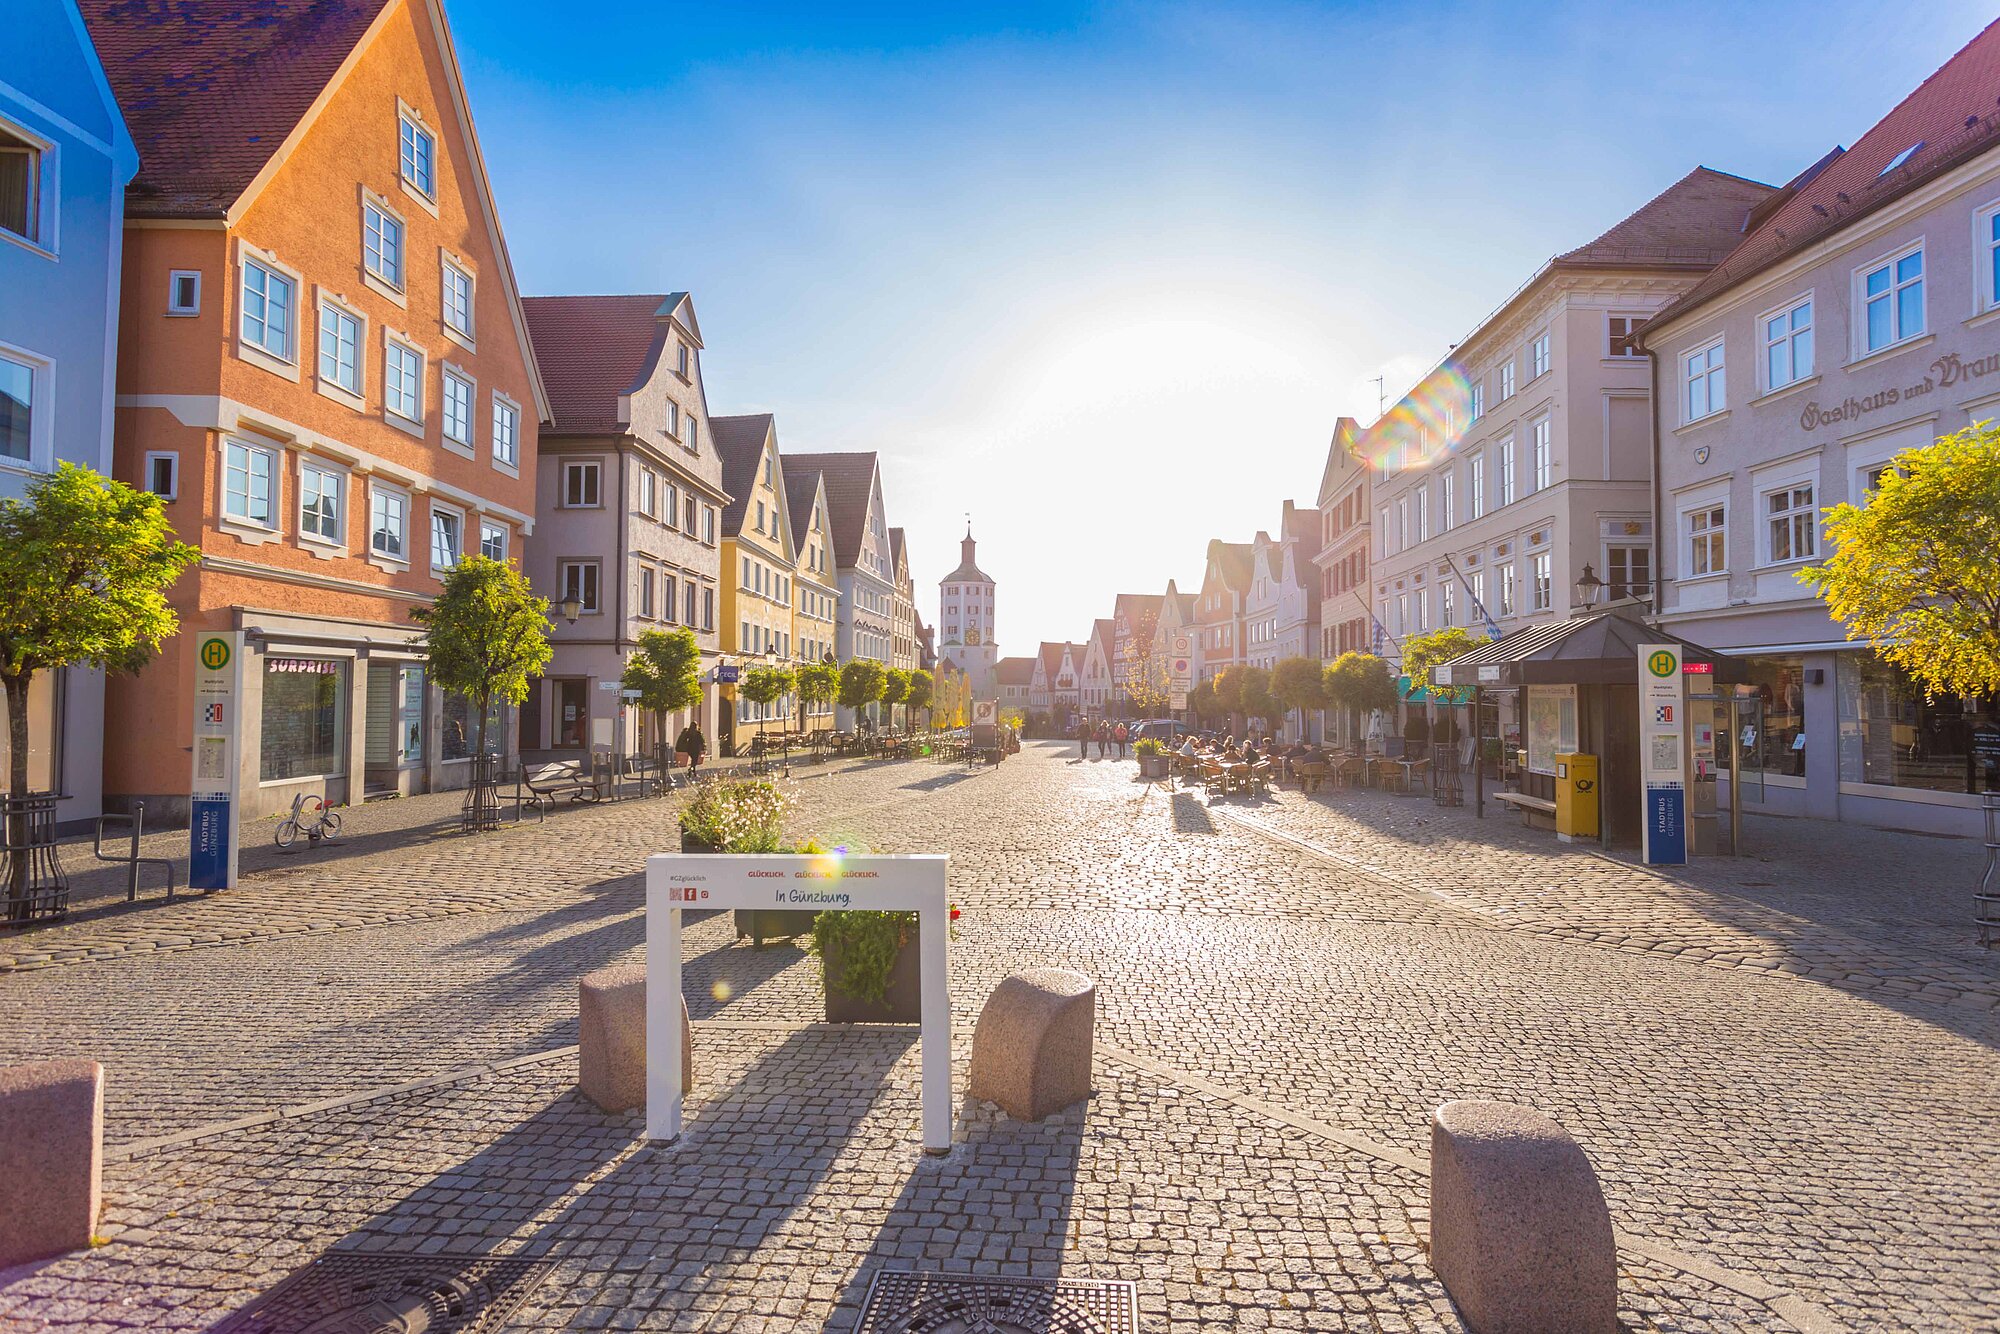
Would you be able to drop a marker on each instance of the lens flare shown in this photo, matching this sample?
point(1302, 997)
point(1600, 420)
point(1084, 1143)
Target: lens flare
point(1426, 425)
point(722, 991)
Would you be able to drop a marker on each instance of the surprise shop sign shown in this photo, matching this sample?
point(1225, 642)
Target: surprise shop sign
point(1948, 370)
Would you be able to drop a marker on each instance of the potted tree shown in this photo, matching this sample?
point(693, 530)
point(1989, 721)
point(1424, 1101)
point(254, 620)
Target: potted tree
point(744, 815)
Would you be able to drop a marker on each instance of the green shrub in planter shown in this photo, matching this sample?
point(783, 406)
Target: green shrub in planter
point(745, 815)
point(867, 965)
point(1150, 745)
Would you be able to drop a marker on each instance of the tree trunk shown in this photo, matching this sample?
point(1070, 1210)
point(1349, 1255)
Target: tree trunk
point(17, 777)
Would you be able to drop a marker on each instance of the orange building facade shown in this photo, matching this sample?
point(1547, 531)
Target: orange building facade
point(326, 374)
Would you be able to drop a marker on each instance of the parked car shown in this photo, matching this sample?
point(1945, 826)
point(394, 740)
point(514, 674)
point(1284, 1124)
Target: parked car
point(1164, 728)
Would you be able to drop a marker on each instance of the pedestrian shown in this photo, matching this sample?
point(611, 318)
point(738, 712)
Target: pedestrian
point(1082, 738)
point(692, 744)
point(1103, 738)
point(1121, 736)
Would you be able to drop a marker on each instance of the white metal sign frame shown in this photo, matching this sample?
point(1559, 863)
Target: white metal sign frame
point(679, 881)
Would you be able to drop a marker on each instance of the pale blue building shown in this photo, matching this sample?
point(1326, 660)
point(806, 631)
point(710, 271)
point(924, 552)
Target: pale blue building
point(65, 159)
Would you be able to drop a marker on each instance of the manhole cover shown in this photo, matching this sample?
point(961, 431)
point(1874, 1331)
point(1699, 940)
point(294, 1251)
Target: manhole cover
point(387, 1292)
point(902, 1301)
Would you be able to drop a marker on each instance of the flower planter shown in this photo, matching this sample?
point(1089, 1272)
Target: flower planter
point(760, 924)
point(902, 999)
point(1152, 766)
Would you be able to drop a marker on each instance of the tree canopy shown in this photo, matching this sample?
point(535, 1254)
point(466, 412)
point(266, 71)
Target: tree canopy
point(815, 682)
point(1425, 651)
point(895, 685)
point(666, 671)
point(861, 683)
point(919, 694)
point(85, 563)
point(485, 636)
point(1299, 683)
point(1360, 683)
point(1917, 568)
point(766, 685)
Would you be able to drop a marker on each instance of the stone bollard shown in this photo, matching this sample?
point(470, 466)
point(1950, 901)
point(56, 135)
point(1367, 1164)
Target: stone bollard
point(51, 1158)
point(611, 1038)
point(1031, 1050)
point(1520, 1234)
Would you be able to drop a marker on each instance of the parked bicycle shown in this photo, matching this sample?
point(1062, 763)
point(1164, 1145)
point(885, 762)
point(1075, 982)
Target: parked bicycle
point(310, 816)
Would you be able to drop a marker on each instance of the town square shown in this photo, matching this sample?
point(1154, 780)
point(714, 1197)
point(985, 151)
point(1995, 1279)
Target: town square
point(915, 670)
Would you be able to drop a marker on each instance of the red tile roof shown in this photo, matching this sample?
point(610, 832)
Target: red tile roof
point(739, 443)
point(850, 483)
point(212, 88)
point(1949, 118)
point(1692, 223)
point(593, 349)
point(1016, 671)
point(1052, 656)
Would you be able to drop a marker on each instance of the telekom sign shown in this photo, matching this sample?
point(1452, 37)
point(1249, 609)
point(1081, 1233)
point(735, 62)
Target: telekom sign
point(679, 881)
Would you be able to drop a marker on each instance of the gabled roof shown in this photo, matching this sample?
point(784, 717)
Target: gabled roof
point(850, 485)
point(213, 89)
point(1236, 562)
point(739, 442)
point(1692, 224)
point(1105, 631)
point(1136, 607)
point(802, 487)
point(1948, 118)
point(593, 349)
point(1051, 656)
point(897, 555)
point(1346, 434)
point(1015, 671)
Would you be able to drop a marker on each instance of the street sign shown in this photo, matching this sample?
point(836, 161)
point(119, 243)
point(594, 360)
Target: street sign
point(213, 812)
point(675, 881)
point(1177, 701)
point(1662, 754)
point(727, 674)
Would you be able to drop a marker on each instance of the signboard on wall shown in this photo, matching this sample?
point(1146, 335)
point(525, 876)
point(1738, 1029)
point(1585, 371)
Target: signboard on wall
point(1662, 754)
point(1551, 726)
point(213, 806)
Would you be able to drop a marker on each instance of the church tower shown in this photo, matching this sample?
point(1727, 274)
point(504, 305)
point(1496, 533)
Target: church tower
point(965, 623)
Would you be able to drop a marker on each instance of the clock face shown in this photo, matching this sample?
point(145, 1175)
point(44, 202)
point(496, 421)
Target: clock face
point(972, 636)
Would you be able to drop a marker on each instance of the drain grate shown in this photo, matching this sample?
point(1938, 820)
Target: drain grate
point(902, 1301)
point(391, 1292)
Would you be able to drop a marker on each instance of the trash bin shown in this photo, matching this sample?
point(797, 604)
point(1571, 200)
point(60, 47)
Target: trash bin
point(1576, 796)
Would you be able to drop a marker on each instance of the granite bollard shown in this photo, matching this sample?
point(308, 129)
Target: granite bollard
point(611, 1038)
point(51, 1158)
point(1031, 1050)
point(1520, 1234)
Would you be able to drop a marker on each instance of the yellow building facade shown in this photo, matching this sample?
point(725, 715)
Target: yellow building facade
point(759, 572)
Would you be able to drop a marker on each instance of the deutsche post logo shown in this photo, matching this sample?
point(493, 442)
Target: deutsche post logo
point(1661, 663)
point(215, 654)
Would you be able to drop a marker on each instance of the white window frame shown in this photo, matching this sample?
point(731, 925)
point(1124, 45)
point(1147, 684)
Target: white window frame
point(1478, 400)
point(1542, 581)
point(399, 559)
point(41, 408)
point(321, 469)
point(1768, 520)
point(487, 528)
point(410, 119)
point(395, 287)
point(1633, 324)
point(285, 364)
point(456, 515)
point(177, 308)
point(393, 340)
point(1508, 480)
point(449, 375)
point(274, 477)
point(172, 459)
point(594, 606)
point(1506, 379)
point(1986, 252)
point(1538, 356)
point(1713, 511)
point(591, 468)
point(355, 397)
point(1476, 482)
point(1448, 500)
point(44, 207)
point(506, 408)
point(1789, 340)
point(649, 492)
point(1541, 455)
point(1713, 376)
point(1898, 335)
point(450, 265)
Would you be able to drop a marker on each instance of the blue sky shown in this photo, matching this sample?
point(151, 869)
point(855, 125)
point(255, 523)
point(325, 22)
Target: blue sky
point(1105, 275)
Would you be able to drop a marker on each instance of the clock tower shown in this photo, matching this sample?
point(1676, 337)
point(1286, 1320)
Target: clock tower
point(966, 625)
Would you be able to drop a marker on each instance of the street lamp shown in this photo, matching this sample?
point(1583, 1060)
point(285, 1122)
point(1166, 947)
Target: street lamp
point(571, 607)
point(1589, 588)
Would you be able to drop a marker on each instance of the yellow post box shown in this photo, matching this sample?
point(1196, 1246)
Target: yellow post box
point(1576, 796)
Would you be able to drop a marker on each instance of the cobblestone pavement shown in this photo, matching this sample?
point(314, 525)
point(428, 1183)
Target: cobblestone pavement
point(1280, 1007)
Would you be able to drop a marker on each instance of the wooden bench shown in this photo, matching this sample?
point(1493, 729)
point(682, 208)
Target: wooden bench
point(1536, 812)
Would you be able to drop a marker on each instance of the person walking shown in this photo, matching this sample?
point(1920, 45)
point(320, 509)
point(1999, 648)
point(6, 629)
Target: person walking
point(1103, 738)
point(1082, 738)
point(692, 744)
point(1121, 735)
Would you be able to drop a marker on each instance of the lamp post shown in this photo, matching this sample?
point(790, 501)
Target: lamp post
point(1589, 588)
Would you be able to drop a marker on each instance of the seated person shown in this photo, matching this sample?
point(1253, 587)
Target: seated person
point(1231, 755)
point(1189, 750)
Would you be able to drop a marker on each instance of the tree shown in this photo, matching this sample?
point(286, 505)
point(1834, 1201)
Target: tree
point(861, 683)
point(486, 634)
point(1361, 683)
point(1425, 651)
point(815, 682)
point(895, 687)
point(765, 686)
point(85, 563)
point(1149, 684)
point(666, 671)
point(1299, 683)
point(1916, 569)
point(919, 695)
point(1203, 704)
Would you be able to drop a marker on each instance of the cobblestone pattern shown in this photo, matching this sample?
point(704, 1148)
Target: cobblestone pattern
point(1833, 1142)
point(801, 1175)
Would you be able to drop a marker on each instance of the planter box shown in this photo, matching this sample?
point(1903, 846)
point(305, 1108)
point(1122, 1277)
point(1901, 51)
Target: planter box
point(1152, 766)
point(761, 924)
point(902, 1000)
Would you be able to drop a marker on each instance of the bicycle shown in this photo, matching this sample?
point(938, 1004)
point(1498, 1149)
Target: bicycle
point(310, 816)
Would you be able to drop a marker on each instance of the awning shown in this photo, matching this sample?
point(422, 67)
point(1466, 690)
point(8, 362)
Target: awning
point(1600, 648)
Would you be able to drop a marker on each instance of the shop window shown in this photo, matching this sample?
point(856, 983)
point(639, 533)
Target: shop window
point(304, 718)
point(461, 728)
point(1776, 746)
point(1891, 735)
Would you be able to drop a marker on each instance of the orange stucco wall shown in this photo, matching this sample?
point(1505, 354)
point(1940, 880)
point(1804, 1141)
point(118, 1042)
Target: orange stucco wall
point(179, 376)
